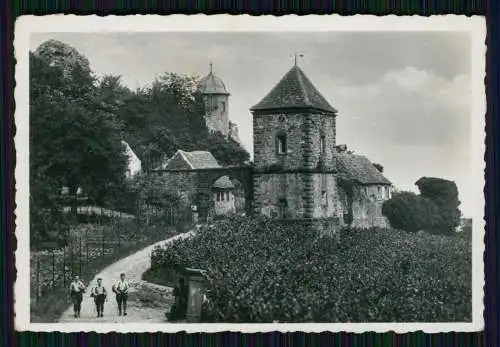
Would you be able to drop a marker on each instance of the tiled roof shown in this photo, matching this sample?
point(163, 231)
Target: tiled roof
point(200, 159)
point(360, 169)
point(223, 183)
point(190, 160)
point(294, 91)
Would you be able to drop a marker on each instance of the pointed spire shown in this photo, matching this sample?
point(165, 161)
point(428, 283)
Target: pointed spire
point(300, 55)
point(211, 66)
point(294, 91)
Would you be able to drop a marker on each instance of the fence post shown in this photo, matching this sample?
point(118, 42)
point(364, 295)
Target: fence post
point(53, 269)
point(37, 276)
point(80, 257)
point(86, 249)
point(102, 244)
point(64, 266)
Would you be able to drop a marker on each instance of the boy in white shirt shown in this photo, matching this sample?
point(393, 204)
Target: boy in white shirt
point(76, 290)
point(121, 291)
point(99, 294)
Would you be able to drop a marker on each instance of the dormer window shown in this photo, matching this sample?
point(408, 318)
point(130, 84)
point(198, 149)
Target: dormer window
point(281, 144)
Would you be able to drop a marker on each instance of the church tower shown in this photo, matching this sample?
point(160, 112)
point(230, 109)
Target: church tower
point(216, 99)
point(294, 153)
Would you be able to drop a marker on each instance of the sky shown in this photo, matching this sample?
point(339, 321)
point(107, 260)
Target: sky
point(403, 98)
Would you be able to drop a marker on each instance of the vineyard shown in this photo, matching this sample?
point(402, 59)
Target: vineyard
point(261, 271)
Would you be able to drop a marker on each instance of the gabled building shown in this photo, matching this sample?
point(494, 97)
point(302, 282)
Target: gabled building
point(183, 160)
point(363, 190)
point(134, 164)
point(221, 199)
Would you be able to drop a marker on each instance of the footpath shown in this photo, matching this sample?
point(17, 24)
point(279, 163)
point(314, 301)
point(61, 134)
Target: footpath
point(147, 302)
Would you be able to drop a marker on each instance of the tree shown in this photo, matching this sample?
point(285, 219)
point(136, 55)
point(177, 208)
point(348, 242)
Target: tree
point(444, 194)
point(74, 135)
point(169, 115)
point(410, 212)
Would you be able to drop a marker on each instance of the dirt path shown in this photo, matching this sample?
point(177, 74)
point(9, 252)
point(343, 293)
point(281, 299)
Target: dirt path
point(146, 301)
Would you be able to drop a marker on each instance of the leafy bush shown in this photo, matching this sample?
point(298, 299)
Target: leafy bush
point(262, 271)
point(444, 194)
point(410, 212)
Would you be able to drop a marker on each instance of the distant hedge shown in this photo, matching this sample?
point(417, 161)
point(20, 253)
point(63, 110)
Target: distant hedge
point(262, 271)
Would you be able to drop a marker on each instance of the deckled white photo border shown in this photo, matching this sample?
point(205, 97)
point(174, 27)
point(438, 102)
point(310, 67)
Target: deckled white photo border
point(26, 25)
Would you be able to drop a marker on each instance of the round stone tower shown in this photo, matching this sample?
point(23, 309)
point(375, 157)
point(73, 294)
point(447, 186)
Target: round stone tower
point(216, 98)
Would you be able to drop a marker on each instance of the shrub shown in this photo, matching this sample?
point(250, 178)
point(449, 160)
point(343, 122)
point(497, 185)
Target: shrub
point(263, 271)
point(444, 194)
point(410, 212)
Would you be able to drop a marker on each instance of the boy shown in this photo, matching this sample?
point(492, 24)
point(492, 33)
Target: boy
point(121, 291)
point(99, 294)
point(76, 290)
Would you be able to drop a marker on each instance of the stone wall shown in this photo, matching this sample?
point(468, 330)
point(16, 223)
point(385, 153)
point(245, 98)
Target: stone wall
point(183, 182)
point(303, 133)
point(366, 209)
point(270, 188)
point(217, 115)
point(325, 196)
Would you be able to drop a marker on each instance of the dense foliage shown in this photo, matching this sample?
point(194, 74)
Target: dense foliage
point(410, 212)
point(74, 137)
point(77, 123)
point(167, 116)
point(261, 271)
point(434, 210)
point(444, 194)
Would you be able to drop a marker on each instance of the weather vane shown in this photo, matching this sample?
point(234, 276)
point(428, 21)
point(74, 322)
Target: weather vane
point(300, 55)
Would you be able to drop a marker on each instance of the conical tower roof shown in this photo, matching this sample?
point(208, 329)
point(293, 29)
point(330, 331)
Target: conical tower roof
point(294, 91)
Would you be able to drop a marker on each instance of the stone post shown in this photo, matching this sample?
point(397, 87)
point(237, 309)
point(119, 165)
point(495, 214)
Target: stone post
point(196, 281)
point(194, 210)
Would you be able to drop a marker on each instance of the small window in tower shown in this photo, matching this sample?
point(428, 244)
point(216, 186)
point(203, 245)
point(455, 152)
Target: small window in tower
point(281, 139)
point(322, 145)
point(379, 191)
point(223, 106)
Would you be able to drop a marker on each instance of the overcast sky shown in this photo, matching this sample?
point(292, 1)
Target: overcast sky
point(403, 98)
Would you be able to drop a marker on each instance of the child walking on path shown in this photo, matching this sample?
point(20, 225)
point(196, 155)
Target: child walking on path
point(76, 290)
point(121, 291)
point(99, 294)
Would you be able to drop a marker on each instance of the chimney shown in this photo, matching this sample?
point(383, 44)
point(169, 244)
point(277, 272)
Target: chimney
point(341, 148)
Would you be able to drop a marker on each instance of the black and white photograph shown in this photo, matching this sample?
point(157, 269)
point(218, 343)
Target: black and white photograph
point(214, 173)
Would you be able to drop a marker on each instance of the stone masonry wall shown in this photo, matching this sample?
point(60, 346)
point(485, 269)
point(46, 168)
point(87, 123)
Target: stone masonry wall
point(183, 182)
point(325, 204)
point(366, 210)
point(217, 116)
point(270, 188)
point(303, 133)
